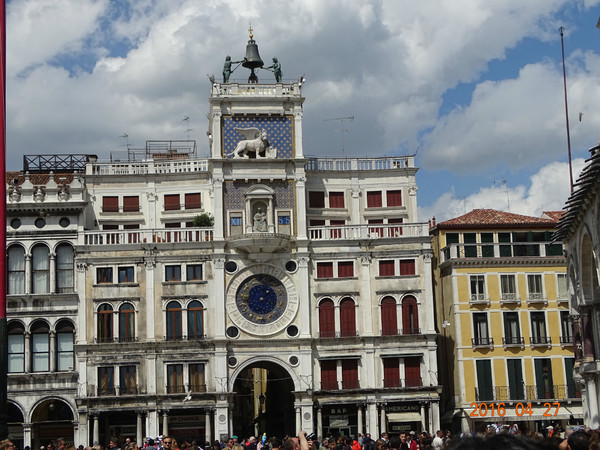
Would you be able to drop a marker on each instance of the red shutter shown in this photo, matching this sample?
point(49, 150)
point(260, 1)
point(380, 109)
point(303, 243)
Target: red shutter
point(336, 200)
point(412, 371)
point(336, 233)
point(407, 267)
point(347, 317)
point(375, 231)
point(326, 319)
point(329, 375)
point(374, 199)
point(325, 270)
point(389, 317)
point(345, 269)
point(391, 372)
point(110, 204)
point(317, 223)
point(350, 374)
point(131, 204)
point(394, 198)
point(410, 315)
point(395, 231)
point(172, 202)
point(316, 199)
point(386, 268)
point(192, 201)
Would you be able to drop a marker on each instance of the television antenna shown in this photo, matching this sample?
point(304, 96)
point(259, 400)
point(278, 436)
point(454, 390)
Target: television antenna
point(186, 119)
point(126, 137)
point(506, 190)
point(342, 130)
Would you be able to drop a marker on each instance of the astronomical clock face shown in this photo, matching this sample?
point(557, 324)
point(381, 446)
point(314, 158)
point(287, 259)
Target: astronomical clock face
point(262, 300)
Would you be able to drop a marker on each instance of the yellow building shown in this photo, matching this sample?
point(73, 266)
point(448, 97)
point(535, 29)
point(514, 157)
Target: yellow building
point(506, 342)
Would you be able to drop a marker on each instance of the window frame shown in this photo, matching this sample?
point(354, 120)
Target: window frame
point(125, 273)
point(173, 273)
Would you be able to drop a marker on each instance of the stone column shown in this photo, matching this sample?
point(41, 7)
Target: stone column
point(152, 423)
point(592, 402)
point(365, 293)
point(207, 427)
point(300, 219)
point(96, 431)
point(360, 419)
point(28, 273)
point(304, 297)
point(26, 435)
point(298, 420)
point(139, 438)
point(83, 429)
point(434, 415)
point(319, 422)
point(423, 424)
point(382, 427)
point(372, 426)
point(152, 308)
point(27, 352)
point(52, 353)
point(165, 422)
point(52, 273)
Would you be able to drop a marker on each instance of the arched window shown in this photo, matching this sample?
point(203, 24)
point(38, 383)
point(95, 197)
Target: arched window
point(16, 347)
point(126, 323)
point(173, 320)
point(195, 324)
point(65, 357)
point(410, 315)
point(64, 268)
point(326, 319)
point(105, 323)
point(40, 347)
point(389, 317)
point(40, 269)
point(16, 270)
point(347, 318)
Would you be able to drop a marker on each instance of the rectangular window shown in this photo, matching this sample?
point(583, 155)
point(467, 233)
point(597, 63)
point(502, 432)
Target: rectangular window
point(126, 274)
point(515, 379)
point(127, 380)
point(16, 353)
point(534, 287)
point(375, 232)
point(336, 200)
point(173, 273)
point(412, 371)
point(172, 202)
point(508, 287)
point(566, 334)
point(175, 379)
point(512, 330)
point(350, 374)
point(329, 375)
point(538, 328)
point(196, 375)
point(561, 279)
point(374, 199)
point(64, 354)
point(487, 251)
point(337, 233)
point(407, 267)
point(485, 389)
point(451, 238)
point(394, 198)
point(477, 283)
point(391, 372)
point(316, 199)
point(506, 249)
point(480, 329)
point(110, 204)
point(325, 270)
point(40, 345)
point(131, 204)
point(386, 268)
point(345, 269)
point(395, 231)
point(572, 391)
point(104, 275)
point(543, 378)
point(106, 381)
point(194, 272)
point(470, 250)
point(192, 201)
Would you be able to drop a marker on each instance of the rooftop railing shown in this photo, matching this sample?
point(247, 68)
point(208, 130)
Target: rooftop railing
point(501, 250)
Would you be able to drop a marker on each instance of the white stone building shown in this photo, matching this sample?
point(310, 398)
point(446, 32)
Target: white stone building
point(307, 304)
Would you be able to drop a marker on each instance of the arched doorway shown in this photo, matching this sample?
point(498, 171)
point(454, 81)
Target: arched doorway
point(52, 419)
point(15, 424)
point(263, 401)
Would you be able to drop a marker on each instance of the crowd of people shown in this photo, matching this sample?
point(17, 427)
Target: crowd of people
point(492, 438)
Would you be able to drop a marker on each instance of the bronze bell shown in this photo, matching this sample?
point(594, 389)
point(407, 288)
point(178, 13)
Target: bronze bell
point(252, 59)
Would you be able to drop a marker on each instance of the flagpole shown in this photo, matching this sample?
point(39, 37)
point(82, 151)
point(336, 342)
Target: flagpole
point(562, 45)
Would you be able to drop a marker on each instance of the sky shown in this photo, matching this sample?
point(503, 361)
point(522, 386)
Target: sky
point(473, 88)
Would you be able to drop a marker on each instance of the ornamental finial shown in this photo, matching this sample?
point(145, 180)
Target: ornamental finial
point(250, 31)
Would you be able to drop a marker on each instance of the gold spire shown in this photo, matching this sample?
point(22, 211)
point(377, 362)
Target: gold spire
point(250, 31)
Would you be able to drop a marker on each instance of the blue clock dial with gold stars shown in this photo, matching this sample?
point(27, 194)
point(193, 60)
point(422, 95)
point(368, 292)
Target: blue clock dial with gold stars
point(261, 299)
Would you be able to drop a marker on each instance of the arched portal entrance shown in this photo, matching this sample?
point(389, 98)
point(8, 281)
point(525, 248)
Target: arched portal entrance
point(263, 401)
point(51, 420)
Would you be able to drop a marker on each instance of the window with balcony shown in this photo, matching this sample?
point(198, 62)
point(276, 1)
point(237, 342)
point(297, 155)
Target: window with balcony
point(336, 200)
point(407, 267)
point(325, 270)
point(534, 288)
point(173, 273)
point(508, 288)
point(174, 325)
point(126, 323)
point(391, 372)
point(175, 379)
point(394, 198)
point(65, 337)
point(566, 329)
point(485, 386)
point(481, 335)
point(389, 317)
point(345, 269)
point(104, 275)
point(194, 272)
point(543, 378)
point(172, 202)
point(16, 270)
point(195, 315)
point(395, 231)
point(538, 329)
point(105, 323)
point(410, 315)
point(412, 371)
point(386, 268)
point(326, 318)
point(374, 199)
point(40, 269)
point(350, 374)
point(375, 231)
point(193, 200)
point(196, 377)
point(126, 274)
point(515, 379)
point(477, 284)
point(131, 203)
point(337, 233)
point(110, 204)
point(16, 348)
point(127, 380)
point(106, 381)
point(512, 330)
point(329, 375)
point(316, 199)
point(347, 317)
point(64, 269)
point(40, 347)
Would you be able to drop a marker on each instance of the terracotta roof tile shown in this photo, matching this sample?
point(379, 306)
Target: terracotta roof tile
point(38, 179)
point(491, 217)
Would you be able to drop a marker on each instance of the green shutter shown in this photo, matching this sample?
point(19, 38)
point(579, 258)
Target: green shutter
point(515, 379)
point(484, 380)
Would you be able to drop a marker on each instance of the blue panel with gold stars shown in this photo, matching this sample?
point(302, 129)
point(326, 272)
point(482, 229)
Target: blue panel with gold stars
point(279, 133)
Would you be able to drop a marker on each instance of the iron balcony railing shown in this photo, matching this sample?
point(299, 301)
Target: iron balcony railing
point(523, 392)
point(501, 250)
point(482, 342)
